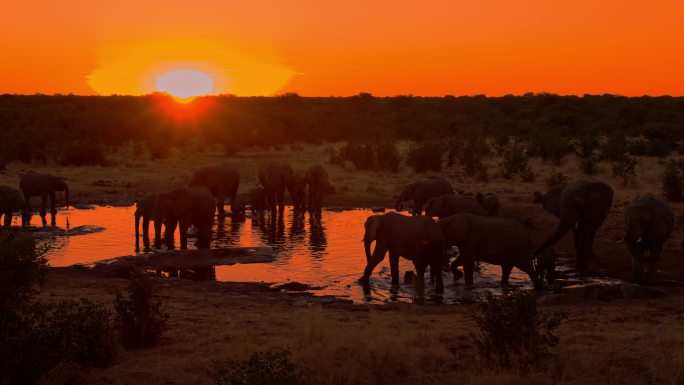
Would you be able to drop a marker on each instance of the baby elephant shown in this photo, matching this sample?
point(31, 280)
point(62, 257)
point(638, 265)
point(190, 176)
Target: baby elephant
point(499, 241)
point(649, 221)
point(418, 239)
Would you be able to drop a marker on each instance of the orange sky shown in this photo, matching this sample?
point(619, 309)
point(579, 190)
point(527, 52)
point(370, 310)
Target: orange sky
point(320, 48)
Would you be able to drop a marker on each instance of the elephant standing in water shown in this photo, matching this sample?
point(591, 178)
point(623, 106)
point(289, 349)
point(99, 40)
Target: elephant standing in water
point(297, 189)
point(275, 178)
point(649, 221)
point(145, 210)
point(499, 241)
point(185, 207)
point(448, 205)
point(490, 202)
point(222, 181)
point(582, 207)
point(422, 191)
point(11, 200)
point(417, 239)
point(317, 179)
point(43, 185)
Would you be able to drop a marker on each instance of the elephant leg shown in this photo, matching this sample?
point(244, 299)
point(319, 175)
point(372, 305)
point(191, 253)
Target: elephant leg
point(377, 257)
point(183, 229)
point(505, 274)
point(652, 272)
point(281, 198)
point(585, 240)
point(420, 273)
point(53, 208)
point(146, 232)
point(43, 205)
point(528, 268)
point(170, 228)
point(436, 273)
point(394, 266)
point(637, 270)
point(8, 218)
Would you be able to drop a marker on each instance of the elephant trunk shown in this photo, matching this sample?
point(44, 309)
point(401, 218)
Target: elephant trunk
point(366, 246)
point(563, 227)
point(66, 195)
point(400, 201)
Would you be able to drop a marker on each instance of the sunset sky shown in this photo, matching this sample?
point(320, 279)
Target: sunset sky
point(321, 48)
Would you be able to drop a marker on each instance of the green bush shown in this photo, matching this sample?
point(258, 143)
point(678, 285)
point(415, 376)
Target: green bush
point(139, 317)
point(513, 332)
point(425, 156)
point(673, 180)
point(22, 268)
point(269, 368)
point(515, 160)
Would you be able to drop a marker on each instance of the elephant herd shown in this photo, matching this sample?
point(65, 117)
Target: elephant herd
point(470, 228)
point(472, 225)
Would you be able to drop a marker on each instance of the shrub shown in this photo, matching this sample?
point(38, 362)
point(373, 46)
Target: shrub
point(513, 332)
point(22, 268)
point(515, 160)
point(425, 156)
point(588, 163)
point(139, 316)
point(624, 168)
point(269, 368)
point(82, 153)
point(369, 156)
point(387, 156)
point(557, 178)
point(470, 154)
point(673, 180)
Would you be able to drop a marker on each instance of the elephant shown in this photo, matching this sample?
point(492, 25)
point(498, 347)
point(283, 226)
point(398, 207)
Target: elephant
point(317, 179)
point(258, 199)
point(551, 199)
point(145, 210)
point(448, 205)
point(418, 239)
point(43, 185)
point(422, 191)
point(275, 178)
point(546, 265)
point(297, 190)
point(649, 221)
point(12, 200)
point(238, 205)
point(222, 181)
point(490, 202)
point(582, 207)
point(185, 207)
point(494, 240)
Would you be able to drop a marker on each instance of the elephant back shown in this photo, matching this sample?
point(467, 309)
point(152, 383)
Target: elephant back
point(316, 175)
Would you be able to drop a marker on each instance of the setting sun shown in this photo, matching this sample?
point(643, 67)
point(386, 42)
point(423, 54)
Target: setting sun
point(185, 83)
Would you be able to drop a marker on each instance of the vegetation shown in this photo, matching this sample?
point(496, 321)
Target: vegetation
point(513, 332)
point(426, 156)
point(262, 368)
point(673, 180)
point(44, 127)
point(139, 317)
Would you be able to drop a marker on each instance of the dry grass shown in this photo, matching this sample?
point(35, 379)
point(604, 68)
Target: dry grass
point(636, 342)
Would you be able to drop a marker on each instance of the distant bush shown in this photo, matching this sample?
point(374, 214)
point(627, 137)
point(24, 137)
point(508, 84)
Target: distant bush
point(513, 332)
point(515, 160)
point(556, 178)
point(425, 156)
point(550, 146)
point(470, 154)
point(625, 168)
point(673, 180)
point(269, 368)
point(82, 153)
point(588, 163)
point(371, 156)
point(139, 316)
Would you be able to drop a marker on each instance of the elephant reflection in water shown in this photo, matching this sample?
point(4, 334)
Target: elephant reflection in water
point(297, 230)
point(273, 228)
point(232, 235)
point(317, 239)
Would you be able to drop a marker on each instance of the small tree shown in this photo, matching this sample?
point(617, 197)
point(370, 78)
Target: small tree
point(139, 316)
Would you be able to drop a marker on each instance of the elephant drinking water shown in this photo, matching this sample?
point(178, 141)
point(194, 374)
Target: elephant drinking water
point(11, 201)
point(43, 185)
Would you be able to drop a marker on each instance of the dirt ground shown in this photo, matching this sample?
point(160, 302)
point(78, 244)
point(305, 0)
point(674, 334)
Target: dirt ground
point(635, 341)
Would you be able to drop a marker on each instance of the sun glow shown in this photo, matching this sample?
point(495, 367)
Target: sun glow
point(185, 84)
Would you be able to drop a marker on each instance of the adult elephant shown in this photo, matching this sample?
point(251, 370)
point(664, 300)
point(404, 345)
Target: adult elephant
point(297, 190)
point(185, 207)
point(490, 202)
point(448, 205)
point(550, 200)
point(649, 221)
point(11, 201)
point(222, 181)
point(498, 241)
point(43, 185)
point(275, 178)
point(317, 179)
point(582, 207)
point(417, 239)
point(147, 210)
point(422, 191)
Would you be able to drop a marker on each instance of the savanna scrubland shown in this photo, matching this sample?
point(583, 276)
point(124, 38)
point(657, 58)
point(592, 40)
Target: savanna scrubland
point(115, 149)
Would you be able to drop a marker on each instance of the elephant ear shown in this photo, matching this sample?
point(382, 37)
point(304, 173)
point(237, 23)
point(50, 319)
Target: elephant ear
point(372, 226)
point(662, 226)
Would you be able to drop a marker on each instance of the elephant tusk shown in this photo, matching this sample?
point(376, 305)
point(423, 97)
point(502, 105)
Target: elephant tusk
point(638, 240)
point(620, 241)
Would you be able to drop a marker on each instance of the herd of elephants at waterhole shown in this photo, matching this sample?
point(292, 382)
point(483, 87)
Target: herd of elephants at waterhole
point(467, 230)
